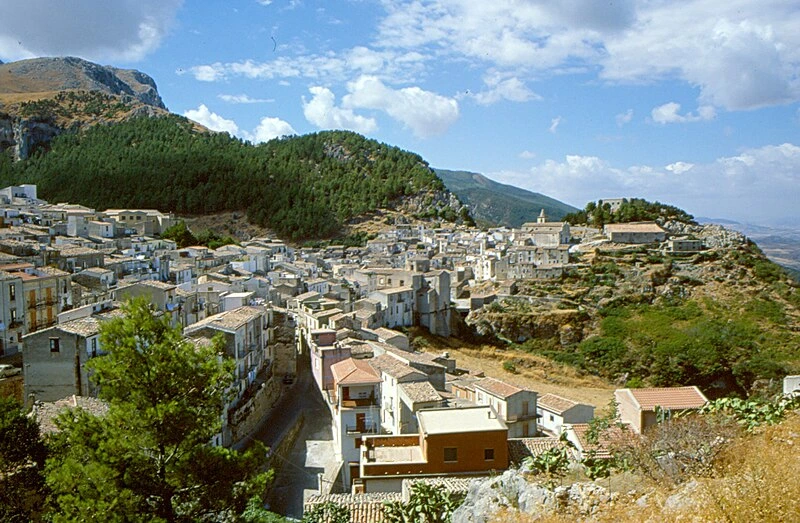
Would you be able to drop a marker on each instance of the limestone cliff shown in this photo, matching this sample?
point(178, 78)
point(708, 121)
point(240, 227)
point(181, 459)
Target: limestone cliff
point(43, 97)
point(50, 75)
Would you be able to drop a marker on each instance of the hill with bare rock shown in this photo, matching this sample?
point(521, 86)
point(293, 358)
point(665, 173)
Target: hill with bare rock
point(47, 76)
point(724, 318)
point(41, 98)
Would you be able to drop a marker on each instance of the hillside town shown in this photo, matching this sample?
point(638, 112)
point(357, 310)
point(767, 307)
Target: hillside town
point(340, 315)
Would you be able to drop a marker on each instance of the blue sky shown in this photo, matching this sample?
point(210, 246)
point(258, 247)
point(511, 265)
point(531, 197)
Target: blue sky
point(697, 106)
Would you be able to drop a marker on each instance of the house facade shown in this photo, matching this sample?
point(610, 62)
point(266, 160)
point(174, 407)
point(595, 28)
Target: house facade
point(515, 405)
point(555, 411)
point(643, 408)
point(451, 442)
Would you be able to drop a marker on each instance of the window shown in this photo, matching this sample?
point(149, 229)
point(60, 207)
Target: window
point(55, 345)
point(12, 292)
point(94, 346)
point(450, 454)
point(13, 315)
point(552, 418)
point(357, 442)
point(488, 454)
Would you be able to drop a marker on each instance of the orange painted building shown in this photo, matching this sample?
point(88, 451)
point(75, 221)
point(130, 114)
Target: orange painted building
point(463, 441)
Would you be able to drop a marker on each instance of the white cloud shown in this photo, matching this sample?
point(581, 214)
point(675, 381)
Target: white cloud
point(270, 128)
point(264, 2)
point(205, 73)
point(329, 66)
point(92, 29)
point(213, 121)
point(266, 130)
point(679, 167)
point(741, 54)
point(504, 88)
point(243, 99)
point(670, 113)
point(424, 112)
point(759, 185)
point(624, 118)
point(527, 155)
point(321, 110)
point(554, 123)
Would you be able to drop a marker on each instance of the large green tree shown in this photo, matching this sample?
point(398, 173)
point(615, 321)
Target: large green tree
point(22, 456)
point(149, 457)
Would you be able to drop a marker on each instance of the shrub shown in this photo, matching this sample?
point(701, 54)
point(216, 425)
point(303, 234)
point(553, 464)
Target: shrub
point(509, 366)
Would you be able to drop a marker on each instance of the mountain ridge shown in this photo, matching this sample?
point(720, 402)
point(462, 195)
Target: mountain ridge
point(54, 74)
point(495, 203)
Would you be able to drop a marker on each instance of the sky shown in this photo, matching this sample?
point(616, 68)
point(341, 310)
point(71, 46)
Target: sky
point(693, 103)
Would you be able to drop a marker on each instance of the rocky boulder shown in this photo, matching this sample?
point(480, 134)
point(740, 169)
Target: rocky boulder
point(513, 490)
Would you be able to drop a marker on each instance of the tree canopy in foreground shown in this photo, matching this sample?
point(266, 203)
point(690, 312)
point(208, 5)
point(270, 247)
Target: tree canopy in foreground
point(149, 458)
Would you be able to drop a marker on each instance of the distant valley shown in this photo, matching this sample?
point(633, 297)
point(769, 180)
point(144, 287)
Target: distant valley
point(780, 244)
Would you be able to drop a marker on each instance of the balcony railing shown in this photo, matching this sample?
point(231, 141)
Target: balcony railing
point(359, 402)
point(521, 417)
point(363, 428)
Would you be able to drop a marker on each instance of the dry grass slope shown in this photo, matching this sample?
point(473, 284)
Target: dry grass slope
point(754, 480)
point(534, 372)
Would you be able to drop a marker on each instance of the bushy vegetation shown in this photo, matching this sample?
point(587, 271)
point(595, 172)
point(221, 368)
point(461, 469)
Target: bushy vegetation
point(598, 214)
point(684, 342)
point(68, 104)
point(181, 234)
point(427, 504)
point(300, 187)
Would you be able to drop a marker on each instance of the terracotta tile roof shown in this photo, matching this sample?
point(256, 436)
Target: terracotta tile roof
point(354, 372)
point(452, 484)
point(648, 227)
point(668, 397)
point(396, 369)
point(157, 284)
point(408, 356)
point(521, 448)
point(227, 320)
point(47, 412)
point(420, 392)
point(554, 403)
point(364, 508)
point(82, 326)
point(605, 439)
point(497, 388)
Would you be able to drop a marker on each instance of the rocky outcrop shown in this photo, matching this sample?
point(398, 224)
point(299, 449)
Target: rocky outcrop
point(518, 321)
point(714, 236)
point(67, 94)
point(24, 136)
point(434, 204)
point(513, 491)
point(39, 75)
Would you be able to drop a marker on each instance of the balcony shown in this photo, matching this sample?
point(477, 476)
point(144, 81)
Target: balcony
point(363, 428)
point(511, 418)
point(359, 402)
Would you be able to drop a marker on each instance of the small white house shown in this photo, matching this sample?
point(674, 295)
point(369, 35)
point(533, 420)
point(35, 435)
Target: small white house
point(791, 385)
point(555, 411)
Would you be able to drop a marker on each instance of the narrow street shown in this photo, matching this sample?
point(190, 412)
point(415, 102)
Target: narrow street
point(311, 455)
point(312, 452)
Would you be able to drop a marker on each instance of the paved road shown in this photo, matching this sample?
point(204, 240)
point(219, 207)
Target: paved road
point(311, 455)
point(312, 452)
point(284, 413)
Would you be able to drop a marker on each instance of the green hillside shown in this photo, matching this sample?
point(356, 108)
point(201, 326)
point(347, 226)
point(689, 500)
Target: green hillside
point(495, 203)
point(300, 187)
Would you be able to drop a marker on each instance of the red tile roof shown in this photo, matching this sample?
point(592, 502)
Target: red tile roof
point(668, 398)
point(354, 372)
point(554, 403)
point(497, 388)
